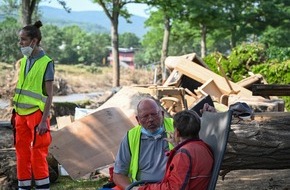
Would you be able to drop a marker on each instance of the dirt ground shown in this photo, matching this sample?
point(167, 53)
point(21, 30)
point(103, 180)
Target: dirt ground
point(243, 179)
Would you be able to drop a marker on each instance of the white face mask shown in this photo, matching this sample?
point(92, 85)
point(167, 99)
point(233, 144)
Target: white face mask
point(26, 51)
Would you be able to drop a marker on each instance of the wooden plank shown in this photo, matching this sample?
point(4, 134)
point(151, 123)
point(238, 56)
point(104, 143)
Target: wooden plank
point(271, 90)
point(90, 142)
point(201, 74)
point(249, 81)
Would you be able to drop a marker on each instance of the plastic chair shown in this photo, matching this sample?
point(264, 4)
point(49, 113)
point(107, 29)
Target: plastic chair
point(215, 128)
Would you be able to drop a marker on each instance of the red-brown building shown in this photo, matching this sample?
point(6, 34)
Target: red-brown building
point(126, 57)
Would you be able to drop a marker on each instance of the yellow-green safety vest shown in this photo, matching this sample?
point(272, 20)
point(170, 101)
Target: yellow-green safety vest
point(134, 137)
point(29, 95)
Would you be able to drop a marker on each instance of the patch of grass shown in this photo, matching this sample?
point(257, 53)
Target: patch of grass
point(65, 183)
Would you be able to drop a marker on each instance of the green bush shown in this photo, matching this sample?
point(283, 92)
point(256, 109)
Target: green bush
point(254, 58)
point(237, 65)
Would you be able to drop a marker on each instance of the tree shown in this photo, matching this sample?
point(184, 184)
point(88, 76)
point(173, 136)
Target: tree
point(9, 7)
point(167, 9)
point(202, 15)
point(129, 40)
point(70, 44)
point(28, 8)
point(52, 40)
point(152, 42)
point(10, 51)
point(113, 9)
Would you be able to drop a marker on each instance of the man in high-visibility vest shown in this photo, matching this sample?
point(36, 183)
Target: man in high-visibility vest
point(142, 153)
point(32, 102)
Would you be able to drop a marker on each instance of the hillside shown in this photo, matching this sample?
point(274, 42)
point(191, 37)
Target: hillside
point(91, 21)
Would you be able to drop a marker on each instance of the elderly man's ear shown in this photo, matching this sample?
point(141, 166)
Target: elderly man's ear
point(137, 119)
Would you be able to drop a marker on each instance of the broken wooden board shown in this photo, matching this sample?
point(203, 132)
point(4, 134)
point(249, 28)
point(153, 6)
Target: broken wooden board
point(249, 81)
point(170, 61)
point(202, 75)
point(90, 142)
point(271, 90)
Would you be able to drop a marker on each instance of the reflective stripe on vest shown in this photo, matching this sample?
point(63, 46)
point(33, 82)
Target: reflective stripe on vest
point(134, 136)
point(29, 95)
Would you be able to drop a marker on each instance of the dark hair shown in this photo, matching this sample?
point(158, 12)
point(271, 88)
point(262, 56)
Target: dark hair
point(187, 123)
point(33, 31)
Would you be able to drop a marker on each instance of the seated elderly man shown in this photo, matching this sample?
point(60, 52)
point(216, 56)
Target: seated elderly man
point(143, 151)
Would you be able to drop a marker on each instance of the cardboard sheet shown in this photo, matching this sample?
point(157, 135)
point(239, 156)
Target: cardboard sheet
point(90, 142)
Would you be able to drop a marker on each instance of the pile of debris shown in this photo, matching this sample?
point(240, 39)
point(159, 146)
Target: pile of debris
point(100, 131)
point(191, 81)
point(95, 137)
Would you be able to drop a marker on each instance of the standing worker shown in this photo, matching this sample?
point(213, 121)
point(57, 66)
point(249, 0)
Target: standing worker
point(32, 102)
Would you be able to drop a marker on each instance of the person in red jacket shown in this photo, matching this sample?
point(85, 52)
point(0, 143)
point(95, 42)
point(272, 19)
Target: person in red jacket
point(190, 163)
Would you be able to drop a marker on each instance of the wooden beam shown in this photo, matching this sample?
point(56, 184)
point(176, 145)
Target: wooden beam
point(271, 90)
point(202, 75)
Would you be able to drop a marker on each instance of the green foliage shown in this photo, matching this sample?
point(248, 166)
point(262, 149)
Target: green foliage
point(253, 58)
point(237, 65)
point(77, 46)
point(94, 69)
point(287, 102)
point(276, 36)
point(184, 39)
point(242, 58)
point(278, 53)
point(129, 40)
point(9, 49)
point(51, 40)
point(274, 72)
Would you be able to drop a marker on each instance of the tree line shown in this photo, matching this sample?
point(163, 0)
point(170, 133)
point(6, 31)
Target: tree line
point(67, 45)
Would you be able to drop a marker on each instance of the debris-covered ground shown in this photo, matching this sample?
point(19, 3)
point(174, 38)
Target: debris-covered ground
point(242, 179)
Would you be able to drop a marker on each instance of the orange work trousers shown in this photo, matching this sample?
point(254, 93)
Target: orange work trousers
point(31, 148)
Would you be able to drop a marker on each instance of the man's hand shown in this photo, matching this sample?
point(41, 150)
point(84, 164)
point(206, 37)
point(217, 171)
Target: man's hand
point(170, 138)
point(207, 107)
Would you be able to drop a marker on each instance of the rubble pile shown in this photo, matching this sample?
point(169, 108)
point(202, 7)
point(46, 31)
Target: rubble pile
point(189, 83)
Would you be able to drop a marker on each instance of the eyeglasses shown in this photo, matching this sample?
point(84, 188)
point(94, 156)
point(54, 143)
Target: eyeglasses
point(147, 116)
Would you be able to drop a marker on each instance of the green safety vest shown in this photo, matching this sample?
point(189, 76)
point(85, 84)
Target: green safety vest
point(29, 95)
point(134, 137)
